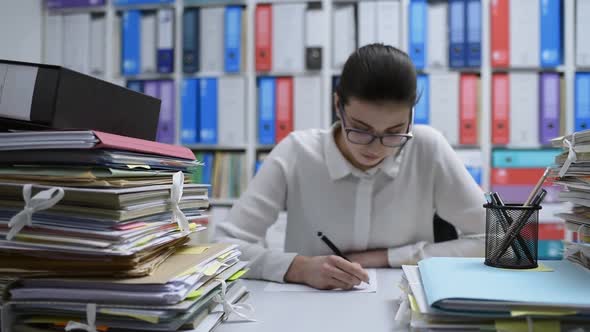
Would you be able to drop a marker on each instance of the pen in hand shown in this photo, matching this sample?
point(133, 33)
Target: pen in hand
point(332, 246)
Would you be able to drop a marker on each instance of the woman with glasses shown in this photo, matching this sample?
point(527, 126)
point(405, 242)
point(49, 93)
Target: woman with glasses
point(371, 184)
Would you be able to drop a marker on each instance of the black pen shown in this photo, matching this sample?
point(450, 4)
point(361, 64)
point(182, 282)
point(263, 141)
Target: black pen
point(329, 243)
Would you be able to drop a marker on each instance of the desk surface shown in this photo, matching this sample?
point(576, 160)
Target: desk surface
point(339, 311)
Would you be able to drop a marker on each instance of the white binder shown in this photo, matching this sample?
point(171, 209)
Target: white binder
point(53, 42)
point(367, 25)
point(524, 110)
point(389, 22)
point(231, 110)
point(524, 33)
point(77, 42)
point(288, 49)
point(211, 38)
point(583, 32)
point(343, 34)
point(148, 43)
point(444, 105)
point(97, 45)
point(307, 102)
point(437, 35)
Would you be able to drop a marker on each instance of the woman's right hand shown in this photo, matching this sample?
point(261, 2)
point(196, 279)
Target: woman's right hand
point(326, 272)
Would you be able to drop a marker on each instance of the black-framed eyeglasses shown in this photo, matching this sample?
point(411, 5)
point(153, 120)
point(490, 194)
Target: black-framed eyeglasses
point(363, 137)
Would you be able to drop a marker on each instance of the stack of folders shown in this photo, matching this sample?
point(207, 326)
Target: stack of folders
point(104, 220)
point(192, 290)
point(572, 171)
point(464, 294)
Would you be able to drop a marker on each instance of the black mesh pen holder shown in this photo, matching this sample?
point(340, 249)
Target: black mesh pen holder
point(512, 236)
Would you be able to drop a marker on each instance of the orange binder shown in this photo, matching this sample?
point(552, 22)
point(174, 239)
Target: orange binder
point(500, 24)
point(500, 109)
point(263, 37)
point(468, 109)
point(284, 108)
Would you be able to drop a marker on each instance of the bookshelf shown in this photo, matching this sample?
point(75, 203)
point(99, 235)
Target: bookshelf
point(251, 148)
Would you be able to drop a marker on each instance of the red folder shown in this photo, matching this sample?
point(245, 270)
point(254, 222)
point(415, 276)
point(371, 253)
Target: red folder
point(468, 109)
point(516, 176)
point(112, 141)
point(263, 37)
point(500, 109)
point(284, 108)
point(500, 24)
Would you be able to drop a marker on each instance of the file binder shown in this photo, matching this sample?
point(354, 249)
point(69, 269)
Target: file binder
point(97, 45)
point(190, 132)
point(457, 33)
point(418, 29)
point(266, 110)
point(288, 37)
point(507, 158)
point(284, 107)
point(524, 106)
point(165, 40)
point(148, 43)
point(473, 20)
point(367, 22)
point(551, 33)
point(46, 96)
point(211, 39)
point(422, 108)
point(444, 105)
point(233, 38)
point(524, 33)
point(167, 121)
point(263, 36)
point(135, 85)
point(232, 110)
point(343, 42)
point(582, 102)
point(550, 107)
point(582, 28)
point(500, 33)
point(437, 35)
point(314, 22)
point(516, 176)
point(388, 22)
point(500, 109)
point(208, 111)
point(469, 109)
point(131, 42)
point(56, 4)
point(190, 40)
point(76, 54)
point(53, 37)
point(307, 103)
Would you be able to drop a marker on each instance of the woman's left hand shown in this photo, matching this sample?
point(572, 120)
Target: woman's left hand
point(369, 259)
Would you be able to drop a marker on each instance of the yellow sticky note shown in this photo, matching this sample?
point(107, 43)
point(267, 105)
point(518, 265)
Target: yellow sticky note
point(237, 275)
point(224, 256)
point(194, 294)
point(144, 241)
point(522, 326)
point(193, 250)
point(145, 318)
point(413, 303)
point(543, 312)
point(212, 268)
point(540, 268)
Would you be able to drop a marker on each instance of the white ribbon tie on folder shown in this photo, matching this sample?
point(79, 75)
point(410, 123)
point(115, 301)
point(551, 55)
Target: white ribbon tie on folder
point(571, 156)
point(90, 319)
point(175, 197)
point(42, 201)
point(242, 310)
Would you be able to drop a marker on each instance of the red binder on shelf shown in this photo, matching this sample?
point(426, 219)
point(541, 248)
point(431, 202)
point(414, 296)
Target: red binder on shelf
point(263, 37)
point(500, 24)
point(516, 176)
point(469, 91)
point(500, 109)
point(284, 107)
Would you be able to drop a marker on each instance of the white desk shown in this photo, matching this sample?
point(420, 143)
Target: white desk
point(308, 312)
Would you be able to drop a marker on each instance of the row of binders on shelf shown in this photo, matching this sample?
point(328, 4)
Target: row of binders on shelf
point(213, 111)
point(225, 171)
point(165, 91)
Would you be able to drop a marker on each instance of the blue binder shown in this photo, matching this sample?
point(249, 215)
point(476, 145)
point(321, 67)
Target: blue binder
point(190, 40)
point(189, 125)
point(476, 173)
point(418, 28)
point(208, 110)
point(506, 158)
point(233, 39)
point(550, 249)
point(457, 33)
point(551, 33)
point(135, 85)
point(131, 42)
point(165, 41)
point(422, 108)
point(266, 110)
point(582, 102)
point(207, 168)
point(473, 46)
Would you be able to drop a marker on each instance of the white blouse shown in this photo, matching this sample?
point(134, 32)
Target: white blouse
point(390, 206)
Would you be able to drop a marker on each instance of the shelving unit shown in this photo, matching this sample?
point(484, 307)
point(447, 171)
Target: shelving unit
point(251, 147)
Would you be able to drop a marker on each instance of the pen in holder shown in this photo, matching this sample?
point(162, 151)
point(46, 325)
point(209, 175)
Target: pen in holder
point(512, 236)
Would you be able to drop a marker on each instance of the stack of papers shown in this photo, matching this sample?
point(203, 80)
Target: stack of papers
point(457, 294)
point(572, 171)
point(186, 292)
point(86, 203)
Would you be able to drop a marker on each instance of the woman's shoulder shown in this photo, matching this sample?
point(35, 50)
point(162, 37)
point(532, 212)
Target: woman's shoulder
point(308, 141)
point(427, 135)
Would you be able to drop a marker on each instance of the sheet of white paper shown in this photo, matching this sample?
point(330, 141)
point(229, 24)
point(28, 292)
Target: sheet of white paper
point(362, 288)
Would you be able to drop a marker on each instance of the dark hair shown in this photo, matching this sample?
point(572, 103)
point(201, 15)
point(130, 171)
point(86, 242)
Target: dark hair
point(379, 73)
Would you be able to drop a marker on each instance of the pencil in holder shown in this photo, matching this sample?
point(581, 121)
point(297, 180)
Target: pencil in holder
point(512, 236)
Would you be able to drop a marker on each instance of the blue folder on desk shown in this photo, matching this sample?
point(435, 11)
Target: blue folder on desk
point(466, 284)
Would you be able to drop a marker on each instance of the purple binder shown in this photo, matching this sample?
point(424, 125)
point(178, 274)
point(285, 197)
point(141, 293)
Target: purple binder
point(519, 193)
point(166, 124)
point(54, 4)
point(550, 105)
